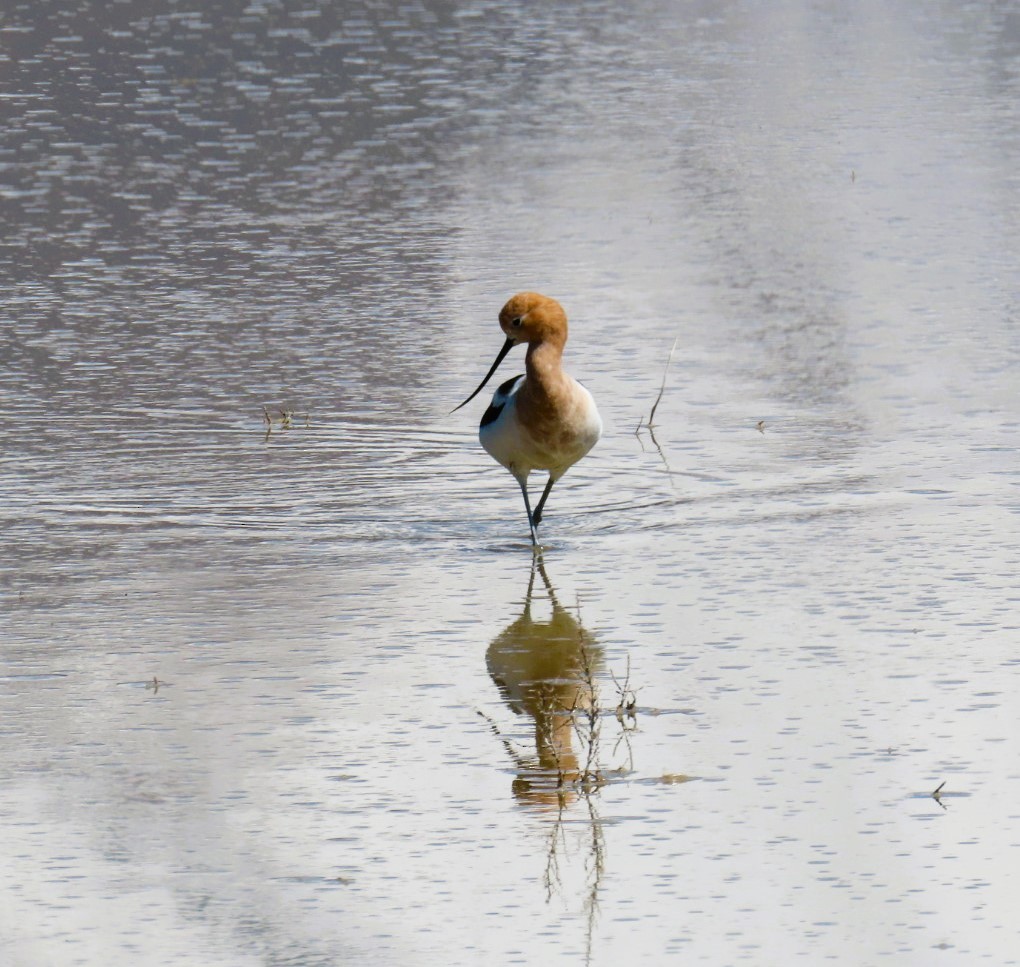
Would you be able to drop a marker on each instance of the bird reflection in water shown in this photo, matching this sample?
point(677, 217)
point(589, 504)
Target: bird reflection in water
point(546, 669)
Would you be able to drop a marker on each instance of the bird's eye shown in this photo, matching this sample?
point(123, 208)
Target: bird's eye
point(516, 323)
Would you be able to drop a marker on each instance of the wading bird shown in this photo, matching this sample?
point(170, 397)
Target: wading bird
point(545, 419)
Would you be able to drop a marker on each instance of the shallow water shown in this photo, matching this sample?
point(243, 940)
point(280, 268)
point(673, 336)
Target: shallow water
point(293, 692)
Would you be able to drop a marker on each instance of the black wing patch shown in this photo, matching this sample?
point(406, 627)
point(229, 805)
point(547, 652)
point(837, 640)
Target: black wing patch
point(491, 414)
point(499, 398)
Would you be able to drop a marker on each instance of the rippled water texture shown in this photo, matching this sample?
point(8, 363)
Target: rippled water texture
point(279, 683)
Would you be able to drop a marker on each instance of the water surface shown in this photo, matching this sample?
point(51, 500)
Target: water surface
point(300, 696)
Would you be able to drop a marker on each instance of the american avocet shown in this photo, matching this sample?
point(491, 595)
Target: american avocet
point(544, 420)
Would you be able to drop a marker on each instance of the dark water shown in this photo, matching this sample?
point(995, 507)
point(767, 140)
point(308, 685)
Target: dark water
point(299, 696)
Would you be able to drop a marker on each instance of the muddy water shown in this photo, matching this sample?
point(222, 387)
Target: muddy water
point(294, 692)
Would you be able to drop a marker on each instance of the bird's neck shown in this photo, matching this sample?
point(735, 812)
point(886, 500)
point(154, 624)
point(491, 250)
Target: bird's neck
point(544, 366)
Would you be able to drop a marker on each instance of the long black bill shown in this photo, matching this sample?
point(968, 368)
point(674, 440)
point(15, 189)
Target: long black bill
point(507, 346)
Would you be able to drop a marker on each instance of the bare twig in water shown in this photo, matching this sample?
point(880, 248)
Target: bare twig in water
point(650, 422)
point(937, 794)
point(626, 708)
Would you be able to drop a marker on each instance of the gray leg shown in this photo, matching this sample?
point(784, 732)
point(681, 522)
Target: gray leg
point(527, 507)
point(537, 516)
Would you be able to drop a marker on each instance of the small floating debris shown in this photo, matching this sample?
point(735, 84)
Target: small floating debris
point(153, 684)
point(284, 417)
point(940, 795)
point(676, 778)
point(760, 427)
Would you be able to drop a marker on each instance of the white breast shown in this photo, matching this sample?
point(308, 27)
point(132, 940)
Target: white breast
point(510, 443)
